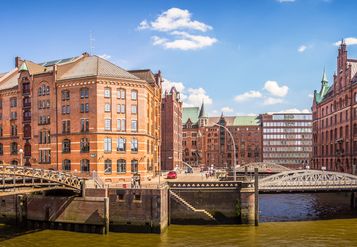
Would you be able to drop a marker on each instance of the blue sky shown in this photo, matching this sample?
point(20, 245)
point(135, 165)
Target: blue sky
point(241, 57)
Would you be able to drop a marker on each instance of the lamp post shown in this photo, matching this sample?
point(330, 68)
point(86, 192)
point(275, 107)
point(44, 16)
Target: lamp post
point(234, 150)
point(21, 152)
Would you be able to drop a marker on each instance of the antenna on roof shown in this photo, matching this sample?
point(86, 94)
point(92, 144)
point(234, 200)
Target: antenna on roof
point(91, 42)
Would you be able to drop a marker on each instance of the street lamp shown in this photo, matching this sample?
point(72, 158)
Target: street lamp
point(234, 150)
point(21, 152)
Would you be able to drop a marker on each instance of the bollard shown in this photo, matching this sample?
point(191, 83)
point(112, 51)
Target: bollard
point(106, 215)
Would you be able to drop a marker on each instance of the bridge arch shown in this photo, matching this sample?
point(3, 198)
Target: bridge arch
point(21, 176)
point(309, 180)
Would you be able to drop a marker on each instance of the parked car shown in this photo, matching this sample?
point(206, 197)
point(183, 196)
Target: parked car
point(171, 175)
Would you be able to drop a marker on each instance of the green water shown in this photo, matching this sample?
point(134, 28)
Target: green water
point(301, 220)
point(310, 233)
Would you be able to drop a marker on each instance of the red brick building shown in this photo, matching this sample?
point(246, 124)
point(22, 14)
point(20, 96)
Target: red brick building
point(171, 130)
point(81, 114)
point(205, 143)
point(287, 139)
point(334, 111)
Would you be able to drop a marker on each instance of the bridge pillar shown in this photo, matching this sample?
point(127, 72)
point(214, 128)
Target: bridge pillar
point(354, 200)
point(106, 215)
point(247, 205)
point(21, 209)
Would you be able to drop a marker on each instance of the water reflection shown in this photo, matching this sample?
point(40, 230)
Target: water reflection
point(305, 206)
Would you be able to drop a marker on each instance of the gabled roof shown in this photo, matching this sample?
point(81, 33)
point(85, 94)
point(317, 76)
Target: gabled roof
point(144, 74)
point(190, 113)
point(9, 80)
point(96, 66)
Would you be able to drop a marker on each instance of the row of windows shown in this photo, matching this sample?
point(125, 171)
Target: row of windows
point(287, 149)
point(292, 161)
point(287, 124)
point(292, 117)
point(121, 166)
point(287, 130)
point(287, 136)
point(288, 143)
point(285, 155)
point(13, 129)
point(84, 93)
point(13, 148)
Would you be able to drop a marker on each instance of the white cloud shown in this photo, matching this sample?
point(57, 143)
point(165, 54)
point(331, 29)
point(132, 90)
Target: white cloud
point(292, 110)
point(184, 41)
point(226, 109)
point(248, 95)
point(272, 101)
point(167, 85)
point(176, 24)
point(195, 97)
point(174, 19)
point(190, 96)
point(348, 41)
point(285, 1)
point(105, 56)
point(311, 95)
point(273, 88)
point(302, 48)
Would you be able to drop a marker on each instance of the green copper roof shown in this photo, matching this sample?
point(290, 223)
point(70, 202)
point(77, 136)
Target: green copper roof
point(319, 96)
point(23, 67)
point(190, 113)
point(246, 121)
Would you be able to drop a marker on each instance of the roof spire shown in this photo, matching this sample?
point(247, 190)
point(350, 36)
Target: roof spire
point(202, 110)
point(324, 77)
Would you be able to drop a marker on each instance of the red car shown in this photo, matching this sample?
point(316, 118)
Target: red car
point(171, 175)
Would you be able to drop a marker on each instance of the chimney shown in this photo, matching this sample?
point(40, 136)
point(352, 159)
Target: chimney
point(17, 62)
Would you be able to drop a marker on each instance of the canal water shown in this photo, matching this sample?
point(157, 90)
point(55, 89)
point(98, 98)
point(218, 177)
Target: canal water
point(287, 220)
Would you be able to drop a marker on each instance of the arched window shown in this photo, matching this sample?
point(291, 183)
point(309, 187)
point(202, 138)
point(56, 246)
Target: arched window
point(13, 148)
point(1, 149)
point(134, 166)
point(121, 166)
point(107, 166)
point(44, 90)
point(85, 166)
point(66, 165)
point(66, 146)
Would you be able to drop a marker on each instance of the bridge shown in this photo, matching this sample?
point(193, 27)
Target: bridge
point(20, 179)
point(263, 167)
point(308, 181)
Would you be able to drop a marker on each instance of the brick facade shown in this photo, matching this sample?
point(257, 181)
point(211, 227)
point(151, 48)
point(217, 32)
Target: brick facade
point(205, 143)
point(335, 118)
point(82, 114)
point(171, 134)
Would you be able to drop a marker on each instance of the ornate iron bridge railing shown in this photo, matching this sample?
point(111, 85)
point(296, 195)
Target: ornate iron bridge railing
point(308, 180)
point(207, 185)
point(20, 176)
